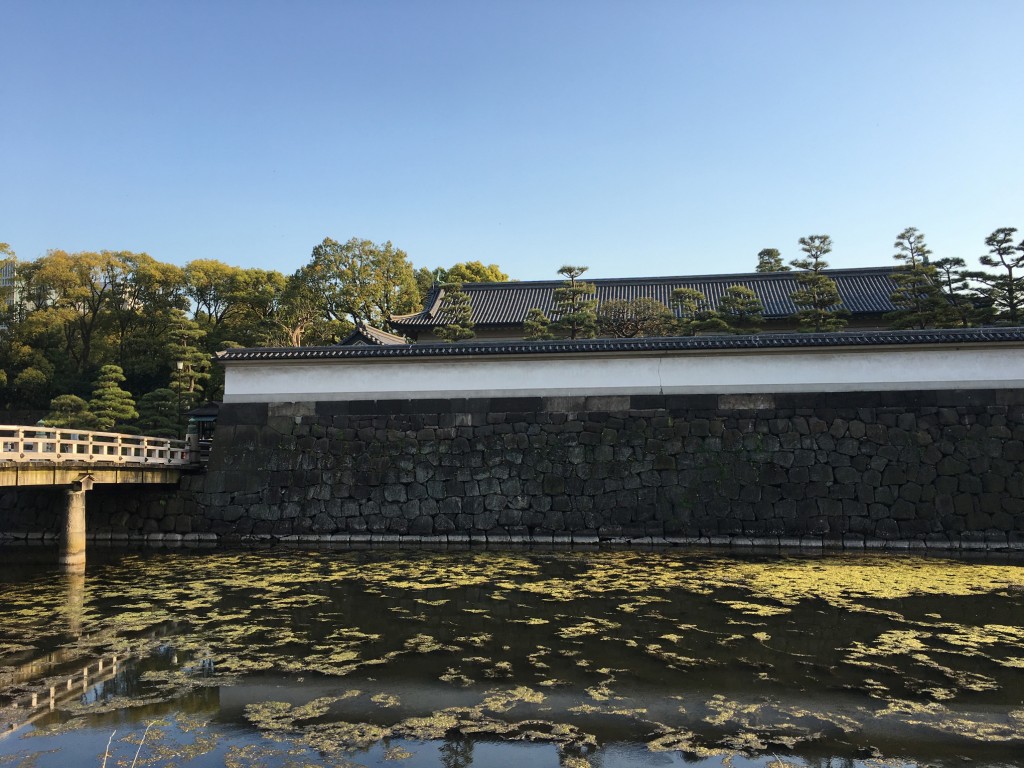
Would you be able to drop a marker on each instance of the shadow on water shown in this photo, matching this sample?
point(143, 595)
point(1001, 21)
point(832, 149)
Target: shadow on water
point(606, 658)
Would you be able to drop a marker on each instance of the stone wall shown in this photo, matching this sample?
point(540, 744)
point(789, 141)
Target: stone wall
point(925, 465)
point(854, 469)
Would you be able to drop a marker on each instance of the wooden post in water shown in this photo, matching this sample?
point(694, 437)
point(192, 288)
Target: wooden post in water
point(72, 555)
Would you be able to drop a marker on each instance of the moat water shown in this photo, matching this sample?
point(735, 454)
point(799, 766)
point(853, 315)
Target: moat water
point(290, 658)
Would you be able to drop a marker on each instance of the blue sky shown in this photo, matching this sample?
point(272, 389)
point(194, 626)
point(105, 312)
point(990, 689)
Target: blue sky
point(638, 138)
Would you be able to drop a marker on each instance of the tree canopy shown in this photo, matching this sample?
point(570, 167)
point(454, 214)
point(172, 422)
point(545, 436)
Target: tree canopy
point(817, 299)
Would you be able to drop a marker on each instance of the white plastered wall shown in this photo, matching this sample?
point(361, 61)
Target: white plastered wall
point(716, 372)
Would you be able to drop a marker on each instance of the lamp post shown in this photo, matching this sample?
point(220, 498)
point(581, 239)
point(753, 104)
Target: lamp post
point(180, 365)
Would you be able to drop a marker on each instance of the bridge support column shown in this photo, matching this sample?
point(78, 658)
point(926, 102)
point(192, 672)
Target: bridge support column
point(72, 555)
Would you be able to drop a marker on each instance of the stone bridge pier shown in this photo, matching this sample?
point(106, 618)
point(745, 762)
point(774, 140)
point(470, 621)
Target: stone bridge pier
point(72, 540)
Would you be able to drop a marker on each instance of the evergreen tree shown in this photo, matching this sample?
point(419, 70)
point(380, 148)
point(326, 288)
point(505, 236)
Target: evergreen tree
point(158, 413)
point(574, 310)
point(817, 299)
point(642, 316)
point(741, 309)
point(696, 314)
point(70, 412)
point(110, 404)
point(537, 326)
point(770, 260)
point(959, 309)
point(190, 379)
point(918, 295)
point(1003, 290)
point(457, 312)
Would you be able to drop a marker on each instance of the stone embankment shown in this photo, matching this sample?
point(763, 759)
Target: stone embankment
point(934, 467)
point(908, 469)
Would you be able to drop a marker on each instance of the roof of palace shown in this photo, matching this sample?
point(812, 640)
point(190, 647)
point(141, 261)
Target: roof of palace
point(864, 291)
point(760, 341)
point(367, 335)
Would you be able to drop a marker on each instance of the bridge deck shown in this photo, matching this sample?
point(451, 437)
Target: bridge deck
point(48, 456)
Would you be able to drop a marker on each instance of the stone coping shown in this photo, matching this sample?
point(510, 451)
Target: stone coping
point(849, 542)
point(759, 341)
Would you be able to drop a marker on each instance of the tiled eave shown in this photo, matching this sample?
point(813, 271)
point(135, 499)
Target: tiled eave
point(762, 341)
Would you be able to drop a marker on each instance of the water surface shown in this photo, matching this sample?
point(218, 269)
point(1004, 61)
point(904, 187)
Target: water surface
point(293, 658)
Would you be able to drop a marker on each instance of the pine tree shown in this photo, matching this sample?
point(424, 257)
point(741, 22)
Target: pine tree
point(70, 412)
point(457, 313)
point(1004, 290)
point(696, 314)
point(741, 309)
point(770, 260)
point(959, 304)
point(918, 295)
point(537, 326)
point(158, 413)
point(189, 380)
point(818, 300)
point(630, 318)
point(110, 404)
point(575, 312)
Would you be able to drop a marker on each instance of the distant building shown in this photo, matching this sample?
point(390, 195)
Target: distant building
point(8, 287)
point(499, 309)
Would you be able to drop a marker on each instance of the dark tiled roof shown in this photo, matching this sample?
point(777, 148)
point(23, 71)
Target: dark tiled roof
point(864, 291)
point(764, 341)
point(367, 334)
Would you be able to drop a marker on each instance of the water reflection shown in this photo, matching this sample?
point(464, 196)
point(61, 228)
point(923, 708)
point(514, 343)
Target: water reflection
point(480, 658)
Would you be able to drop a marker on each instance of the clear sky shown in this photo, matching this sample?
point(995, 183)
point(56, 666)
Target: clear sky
point(636, 137)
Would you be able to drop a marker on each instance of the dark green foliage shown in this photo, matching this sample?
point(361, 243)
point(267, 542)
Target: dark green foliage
point(918, 296)
point(158, 413)
point(71, 411)
point(575, 309)
point(642, 316)
point(817, 299)
point(186, 348)
point(696, 316)
point(110, 404)
point(960, 310)
point(1003, 290)
point(741, 309)
point(537, 326)
point(770, 260)
point(457, 313)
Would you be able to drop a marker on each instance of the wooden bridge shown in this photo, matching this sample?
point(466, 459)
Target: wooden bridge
point(78, 459)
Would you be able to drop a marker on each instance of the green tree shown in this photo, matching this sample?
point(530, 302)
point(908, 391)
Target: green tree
point(630, 318)
point(575, 310)
point(360, 280)
point(110, 404)
point(918, 295)
point(475, 272)
point(952, 278)
point(1004, 289)
point(213, 288)
point(185, 347)
point(32, 386)
point(74, 291)
point(537, 326)
point(158, 413)
point(817, 299)
point(770, 260)
point(147, 297)
point(71, 412)
point(462, 272)
point(457, 313)
point(741, 309)
point(696, 315)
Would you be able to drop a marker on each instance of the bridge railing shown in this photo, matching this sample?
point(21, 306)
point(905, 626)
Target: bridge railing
point(74, 446)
